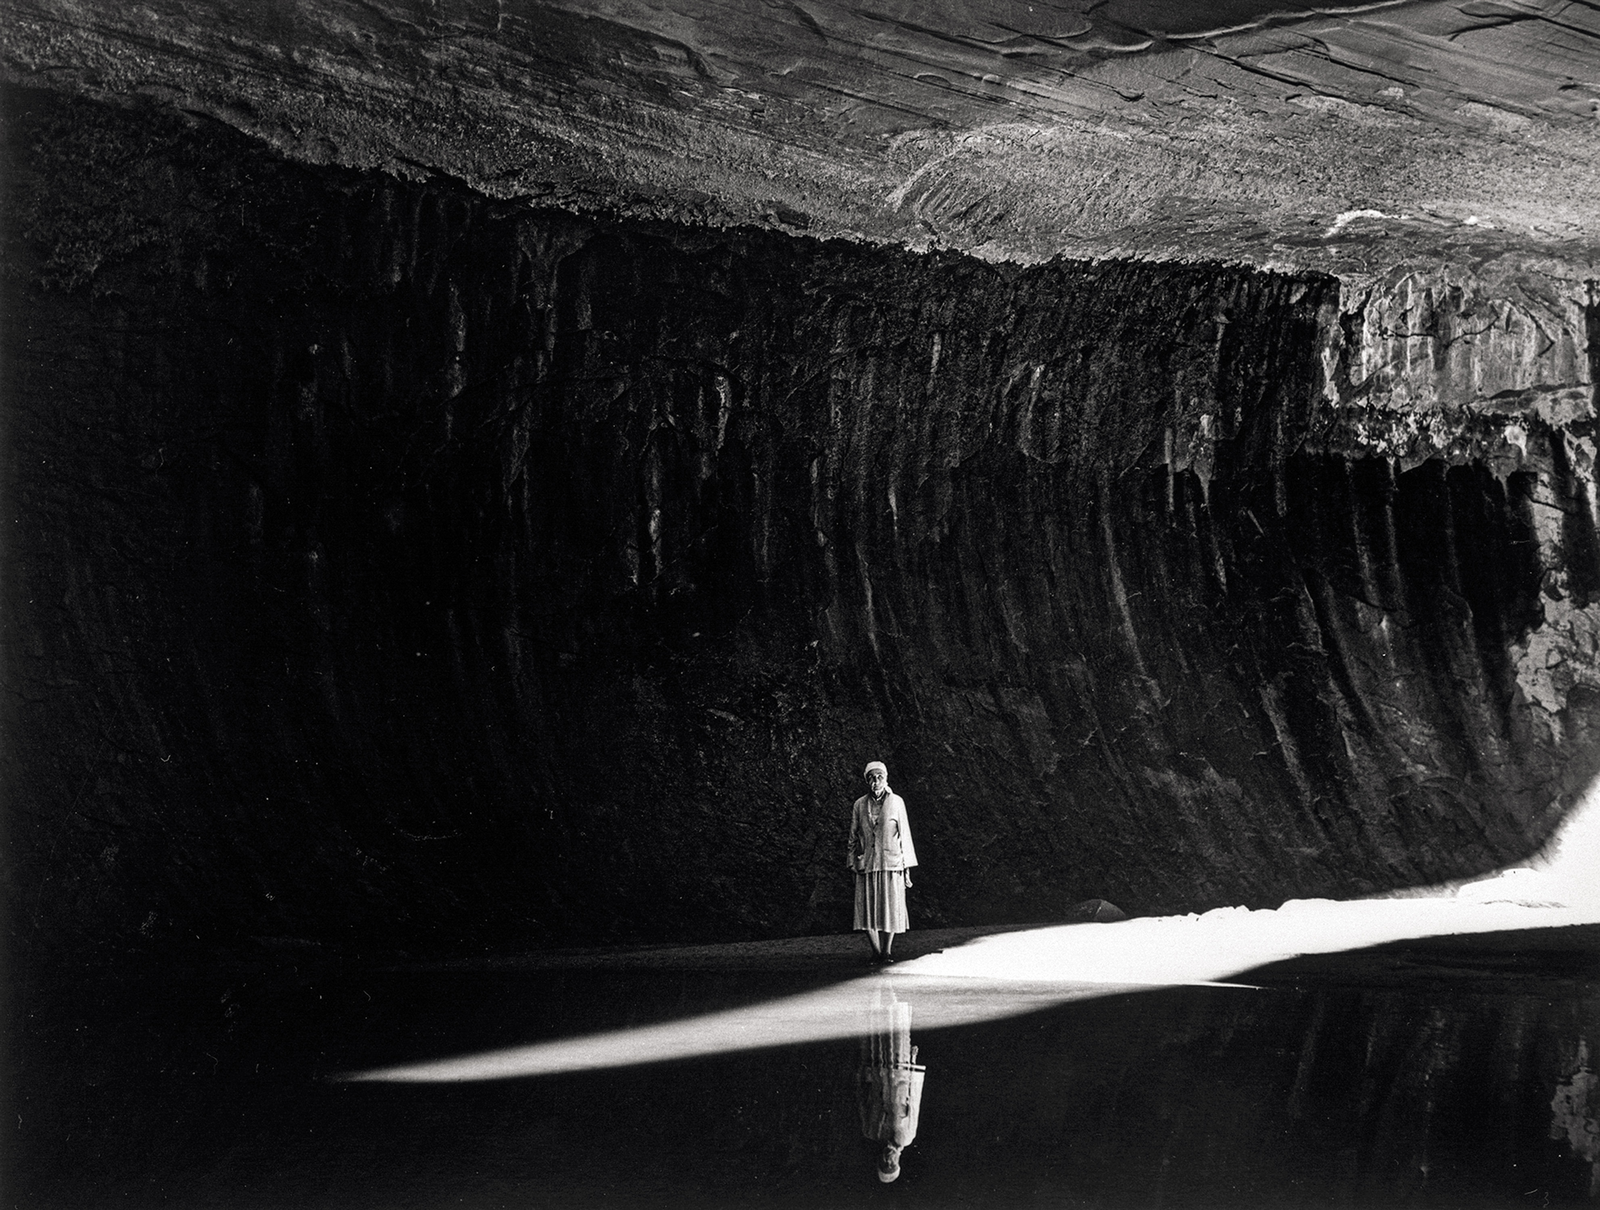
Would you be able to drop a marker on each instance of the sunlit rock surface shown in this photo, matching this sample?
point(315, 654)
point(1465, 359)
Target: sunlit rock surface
point(402, 565)
point(1341, 138)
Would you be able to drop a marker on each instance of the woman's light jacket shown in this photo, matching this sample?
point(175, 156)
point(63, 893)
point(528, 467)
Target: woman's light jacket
point(885, 847)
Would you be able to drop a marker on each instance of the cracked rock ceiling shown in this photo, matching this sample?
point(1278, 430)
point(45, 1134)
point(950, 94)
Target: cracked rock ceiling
point(1344, 139)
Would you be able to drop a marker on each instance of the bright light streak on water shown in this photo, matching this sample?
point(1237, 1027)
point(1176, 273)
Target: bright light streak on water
point(1013, 973)
point(818, 1016)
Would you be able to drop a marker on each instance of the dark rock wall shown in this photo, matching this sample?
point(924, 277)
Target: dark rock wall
point(394, 566)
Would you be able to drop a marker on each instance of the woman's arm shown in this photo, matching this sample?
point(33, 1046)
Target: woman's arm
point(908, 850)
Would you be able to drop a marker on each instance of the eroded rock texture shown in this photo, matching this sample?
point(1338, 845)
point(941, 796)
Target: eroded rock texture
point(401, 566)
point(1277, 133)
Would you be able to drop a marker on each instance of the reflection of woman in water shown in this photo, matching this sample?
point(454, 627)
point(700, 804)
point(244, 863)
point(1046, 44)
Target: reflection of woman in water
point(889, 1081)
point(881, 854)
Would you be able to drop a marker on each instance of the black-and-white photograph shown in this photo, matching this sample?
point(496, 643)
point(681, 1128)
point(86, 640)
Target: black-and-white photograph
point(802, 604)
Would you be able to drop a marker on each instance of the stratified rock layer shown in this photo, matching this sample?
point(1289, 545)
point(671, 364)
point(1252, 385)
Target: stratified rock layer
point(1277, 133)
point(398, 565)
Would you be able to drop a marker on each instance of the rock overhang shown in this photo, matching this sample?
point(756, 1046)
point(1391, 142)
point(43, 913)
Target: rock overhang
point(1441, 158)
point(1340, 139)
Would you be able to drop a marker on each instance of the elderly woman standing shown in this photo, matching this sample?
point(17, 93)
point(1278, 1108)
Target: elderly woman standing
point(881, 855)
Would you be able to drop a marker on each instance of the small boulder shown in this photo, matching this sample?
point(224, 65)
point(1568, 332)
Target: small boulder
point(1099, 911)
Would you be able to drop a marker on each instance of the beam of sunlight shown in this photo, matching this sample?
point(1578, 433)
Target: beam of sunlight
point(1013, 973)
point(1170, 950)
point(1558, 888)
point(817, 1016)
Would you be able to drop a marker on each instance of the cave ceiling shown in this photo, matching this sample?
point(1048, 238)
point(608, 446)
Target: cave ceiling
point(1341, 139)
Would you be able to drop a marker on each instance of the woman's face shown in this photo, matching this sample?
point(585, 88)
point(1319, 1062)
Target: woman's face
point(876, 781)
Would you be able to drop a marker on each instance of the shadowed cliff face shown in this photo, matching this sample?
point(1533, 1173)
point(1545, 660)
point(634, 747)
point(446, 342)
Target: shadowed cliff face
point(396, 566)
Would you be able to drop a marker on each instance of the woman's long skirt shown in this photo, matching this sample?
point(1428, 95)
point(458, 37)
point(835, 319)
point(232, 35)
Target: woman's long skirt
point(881, 901)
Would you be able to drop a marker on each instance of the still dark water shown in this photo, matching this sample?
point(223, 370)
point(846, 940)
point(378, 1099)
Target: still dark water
point(1450, 1074)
